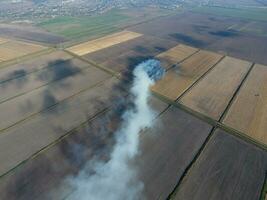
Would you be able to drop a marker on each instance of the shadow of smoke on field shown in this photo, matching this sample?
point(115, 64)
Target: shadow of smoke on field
point(54, 70)
point(28, 184)
point(50, 100)
point(17, 77)
point(225, 33)
point(58, 69)
point(179, 37)
point(44, 175)
point(53, 77)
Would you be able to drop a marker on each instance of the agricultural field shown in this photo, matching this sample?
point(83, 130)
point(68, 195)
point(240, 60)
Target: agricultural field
point(77, 28)
point(159, 165)
point(64, 109)
point(211, 95)
point(21, 82)
point(47, 92)
point(124, 56)
point(14, 49)
point(98, 44)
point(253, 28)
point(33, 65)
point(178, 79)
point(236, 170)
point(61, 154)
point(175, 55)
point(248, 113)
point(29, 33)
point(257, 14)
point(46, 127)
point(210, 32)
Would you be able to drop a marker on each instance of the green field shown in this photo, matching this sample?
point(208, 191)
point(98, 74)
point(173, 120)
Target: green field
point(258, 14)
point(76, 28)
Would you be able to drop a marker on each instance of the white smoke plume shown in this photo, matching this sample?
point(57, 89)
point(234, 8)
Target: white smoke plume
point(116, 179)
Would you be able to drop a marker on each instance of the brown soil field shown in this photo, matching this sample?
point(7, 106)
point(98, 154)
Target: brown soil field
point(25, 67)
point(27, 32)
point(104, 42)
point(164, 153)
point(41, 98)
point(248, 113)
point(228, 168)
point(55, 71)
point(175, 55)
point(177, 80)
point(211, 95)
point(208, 32)
point(40, 178)
point(34, 134)
point(15, 49)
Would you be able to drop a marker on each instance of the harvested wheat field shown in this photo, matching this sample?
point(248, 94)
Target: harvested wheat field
point(104, 42)
point(14, 49)
point(212, 94)
point(179, 79)
point(175, 55)
point(248, 112)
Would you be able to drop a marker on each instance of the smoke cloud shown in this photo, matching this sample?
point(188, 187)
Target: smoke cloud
point(115, 179)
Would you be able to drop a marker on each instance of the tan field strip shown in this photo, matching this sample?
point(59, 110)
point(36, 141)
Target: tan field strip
point(175, 55)
point(213, 93)
point(15, 49)
point(104, 42)
point(179, 79)
point(248, 112)
point(2, 40)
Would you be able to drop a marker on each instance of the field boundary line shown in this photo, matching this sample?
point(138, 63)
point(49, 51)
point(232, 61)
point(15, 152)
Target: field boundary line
point(12, 38)
point(199, 79)
point(71, 43)
point(152, 19)
point(212, 122)
point(77, 41)
point(52, 144)
point(191, 165)
point(27, 57)
point(111, 72)
point(179, 62)
point(3, 131)
point(48, 83)
point(42, 67)
point(223, 115)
